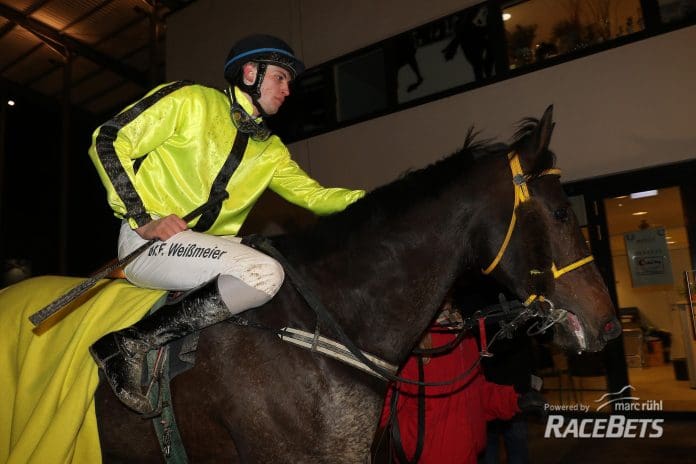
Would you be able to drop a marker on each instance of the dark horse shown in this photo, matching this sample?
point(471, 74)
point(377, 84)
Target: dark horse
point(382, 267)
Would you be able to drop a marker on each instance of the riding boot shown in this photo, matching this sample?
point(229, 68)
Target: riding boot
point(121, 354)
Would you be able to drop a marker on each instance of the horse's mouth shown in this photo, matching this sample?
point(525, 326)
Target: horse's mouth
point(571, 333)
point(574, 326)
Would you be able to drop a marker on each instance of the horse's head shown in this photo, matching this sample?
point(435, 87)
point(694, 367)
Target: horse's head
point(539, 251)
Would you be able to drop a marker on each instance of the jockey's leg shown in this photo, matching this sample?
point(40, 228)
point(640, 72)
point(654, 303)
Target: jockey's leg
point(243, 278)
point(189, 259)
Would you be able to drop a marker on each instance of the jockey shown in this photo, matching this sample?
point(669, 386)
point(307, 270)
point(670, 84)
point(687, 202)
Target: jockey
point(173, 150)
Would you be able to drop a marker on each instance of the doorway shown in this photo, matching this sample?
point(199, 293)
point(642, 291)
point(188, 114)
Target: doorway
point(641, 227)
point(649, 253)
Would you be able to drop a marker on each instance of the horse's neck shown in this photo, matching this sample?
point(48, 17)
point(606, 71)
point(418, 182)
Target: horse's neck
point(406, 279)
point(385, 283)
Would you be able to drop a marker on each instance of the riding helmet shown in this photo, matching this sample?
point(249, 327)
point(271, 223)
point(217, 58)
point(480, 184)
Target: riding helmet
point(262, 49)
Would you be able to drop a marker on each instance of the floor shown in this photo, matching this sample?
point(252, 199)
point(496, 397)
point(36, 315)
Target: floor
point(657, 383)
point(675, 446)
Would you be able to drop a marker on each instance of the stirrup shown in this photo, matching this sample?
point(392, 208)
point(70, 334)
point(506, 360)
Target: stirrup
point(121, 371)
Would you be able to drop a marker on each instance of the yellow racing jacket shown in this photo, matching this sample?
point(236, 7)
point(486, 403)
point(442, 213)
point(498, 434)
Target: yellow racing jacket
point(161, 155)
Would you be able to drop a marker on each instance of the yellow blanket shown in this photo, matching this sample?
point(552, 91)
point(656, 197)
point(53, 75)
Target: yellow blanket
point(47, 376)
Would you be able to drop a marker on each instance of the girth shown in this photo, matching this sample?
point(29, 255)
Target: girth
point(333, 349)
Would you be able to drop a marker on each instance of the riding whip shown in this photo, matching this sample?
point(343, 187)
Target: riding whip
point(43, 314)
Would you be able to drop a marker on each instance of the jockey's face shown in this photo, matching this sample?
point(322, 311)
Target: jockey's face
point(275, 87)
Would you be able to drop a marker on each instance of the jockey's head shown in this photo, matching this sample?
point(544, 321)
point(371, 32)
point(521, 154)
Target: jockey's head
point(262, 66)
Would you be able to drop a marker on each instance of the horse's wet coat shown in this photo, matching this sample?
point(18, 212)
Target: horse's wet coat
point(382, 268)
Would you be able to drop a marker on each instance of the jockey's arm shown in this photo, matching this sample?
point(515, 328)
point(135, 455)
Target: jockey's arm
point(295, 185)
point(118, 143)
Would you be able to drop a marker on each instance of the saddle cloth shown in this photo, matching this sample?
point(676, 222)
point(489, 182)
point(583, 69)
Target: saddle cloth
point(47, 376)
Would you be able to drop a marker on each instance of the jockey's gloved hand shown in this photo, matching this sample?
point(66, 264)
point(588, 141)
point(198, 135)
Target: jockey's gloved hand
point(534, 404)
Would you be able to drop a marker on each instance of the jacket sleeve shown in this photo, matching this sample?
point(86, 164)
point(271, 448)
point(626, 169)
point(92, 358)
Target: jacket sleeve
point(499, 401)
point(292, 183)
point(130, 135)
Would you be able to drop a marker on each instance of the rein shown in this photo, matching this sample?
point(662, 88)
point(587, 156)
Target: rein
point(522, 195)
point(375, 366)
point(501, 313)
point(264, 244)
point(383, 369)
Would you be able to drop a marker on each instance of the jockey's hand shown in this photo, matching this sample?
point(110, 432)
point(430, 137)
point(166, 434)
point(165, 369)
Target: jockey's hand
point(162, 228)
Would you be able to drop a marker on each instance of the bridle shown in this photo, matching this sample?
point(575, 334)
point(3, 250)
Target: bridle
point(314, 340)
point(522, 195)
point(551, 316)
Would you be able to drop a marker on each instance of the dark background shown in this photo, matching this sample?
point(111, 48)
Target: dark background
point(30, 201)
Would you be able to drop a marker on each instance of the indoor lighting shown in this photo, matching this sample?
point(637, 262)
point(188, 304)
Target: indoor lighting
point(506, 16)
point(10, 103)
point(639, 213)
point(645, 194)
point(671, 243)
point(622, 196)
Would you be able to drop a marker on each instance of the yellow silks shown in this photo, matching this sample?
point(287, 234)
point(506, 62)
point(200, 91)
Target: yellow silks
point(182, 141)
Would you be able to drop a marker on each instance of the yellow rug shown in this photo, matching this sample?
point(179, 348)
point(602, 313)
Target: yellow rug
point(47, 376)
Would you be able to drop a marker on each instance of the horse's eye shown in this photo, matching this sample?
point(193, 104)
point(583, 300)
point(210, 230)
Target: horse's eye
point(561, 214)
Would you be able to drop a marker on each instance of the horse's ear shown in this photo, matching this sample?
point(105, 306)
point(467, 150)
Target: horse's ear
point(542, 137)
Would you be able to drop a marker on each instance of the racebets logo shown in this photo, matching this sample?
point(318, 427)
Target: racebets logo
point(613, 426)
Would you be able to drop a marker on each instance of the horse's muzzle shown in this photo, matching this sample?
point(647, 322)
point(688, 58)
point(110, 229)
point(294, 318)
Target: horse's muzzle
point(611, 329)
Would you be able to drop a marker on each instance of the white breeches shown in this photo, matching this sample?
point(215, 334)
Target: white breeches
point(189, 259)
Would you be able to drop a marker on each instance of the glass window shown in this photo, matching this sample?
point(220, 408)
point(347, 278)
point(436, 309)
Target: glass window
point(360, 85)
point(540, 29)
point(672, 11)
point(316, 95)
point(577, 202)
point(309, 109)
point(441, 55)
point(462, 51)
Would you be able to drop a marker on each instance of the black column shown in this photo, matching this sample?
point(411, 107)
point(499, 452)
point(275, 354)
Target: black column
point(651, 14)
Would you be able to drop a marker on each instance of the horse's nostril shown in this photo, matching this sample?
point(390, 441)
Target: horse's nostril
point(612, 329)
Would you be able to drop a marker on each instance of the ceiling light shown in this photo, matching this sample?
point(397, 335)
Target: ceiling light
point(10, 103)
point(647, 193)
point(506, 16)
point(671, 243)
point(620, 204)
point(639, 213)
point(622, 196)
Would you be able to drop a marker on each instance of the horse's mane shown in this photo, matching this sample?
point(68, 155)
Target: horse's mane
point(410, 188)
point(417, 185)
